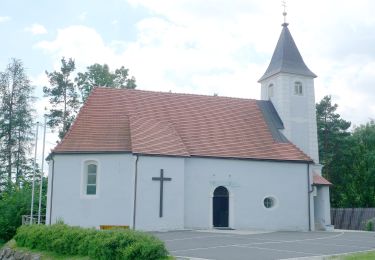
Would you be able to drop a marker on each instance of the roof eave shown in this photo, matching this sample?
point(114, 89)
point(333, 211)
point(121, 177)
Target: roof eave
point(269, 75)
point(52, 154)
point(322, 184)
point(87, 152)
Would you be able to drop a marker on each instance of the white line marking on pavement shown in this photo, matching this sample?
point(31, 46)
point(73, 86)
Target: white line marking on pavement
point(357, 240)
point(188, 238)
point(320, 256)
point(279, 250)
point(192, 258)
point(363, 247)
point(263, 243)
point(201, 248)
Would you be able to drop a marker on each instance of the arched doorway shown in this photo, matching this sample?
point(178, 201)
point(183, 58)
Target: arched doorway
point(220, 207)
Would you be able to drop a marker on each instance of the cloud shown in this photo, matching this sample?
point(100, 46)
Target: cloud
point(164, 57)
point(4, 19)
point(82, 43)
point(169, 56)
point(352, 88)
point(36, 29)
point(82, 16)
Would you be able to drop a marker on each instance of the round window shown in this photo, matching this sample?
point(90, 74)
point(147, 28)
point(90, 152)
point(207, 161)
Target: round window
point(269, 202)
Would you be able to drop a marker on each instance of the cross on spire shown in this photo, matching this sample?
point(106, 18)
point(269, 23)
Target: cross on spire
point(283, 3)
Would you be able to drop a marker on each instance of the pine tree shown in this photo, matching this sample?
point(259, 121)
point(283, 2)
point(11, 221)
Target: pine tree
point(332, 131)
point(16, 123)
point(63, 97)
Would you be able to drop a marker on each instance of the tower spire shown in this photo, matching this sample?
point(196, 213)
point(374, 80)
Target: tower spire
point(286, 57)
point(283, 3)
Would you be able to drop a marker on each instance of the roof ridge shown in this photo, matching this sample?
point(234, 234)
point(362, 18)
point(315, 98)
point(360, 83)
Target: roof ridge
point(133, 136)
point(135, 107)
point(172, 93)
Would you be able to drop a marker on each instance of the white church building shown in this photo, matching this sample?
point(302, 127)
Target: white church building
point(167, 161)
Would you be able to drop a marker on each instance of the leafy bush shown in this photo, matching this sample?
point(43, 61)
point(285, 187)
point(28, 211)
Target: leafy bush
point(150, 249)
point(97, 244)
point(370, 225)
point(15, 202)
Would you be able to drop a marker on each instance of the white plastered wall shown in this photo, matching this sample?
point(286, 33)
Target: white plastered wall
point(322, 207)
point(296, 111)
point(148, 193)
point(113, 204)
point(187, 197)
point(248, 183)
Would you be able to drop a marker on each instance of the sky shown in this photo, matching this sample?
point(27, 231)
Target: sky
point(196, 46)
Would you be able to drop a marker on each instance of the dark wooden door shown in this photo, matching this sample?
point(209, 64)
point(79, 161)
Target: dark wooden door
point(221, 207)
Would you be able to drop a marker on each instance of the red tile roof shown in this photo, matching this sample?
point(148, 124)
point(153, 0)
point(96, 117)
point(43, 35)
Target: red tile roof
point(145, 122)
point(320, 180)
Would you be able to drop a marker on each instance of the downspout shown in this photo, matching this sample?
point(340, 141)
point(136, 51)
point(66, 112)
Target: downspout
point(308, 194)
point(135, 190)
point(50, 202)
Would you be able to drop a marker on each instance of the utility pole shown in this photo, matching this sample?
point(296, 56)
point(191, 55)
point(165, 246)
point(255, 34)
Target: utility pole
point(42, 172)
point(33, 186)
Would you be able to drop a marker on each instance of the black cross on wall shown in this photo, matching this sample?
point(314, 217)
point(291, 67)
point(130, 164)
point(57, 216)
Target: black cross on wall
point(162, 179)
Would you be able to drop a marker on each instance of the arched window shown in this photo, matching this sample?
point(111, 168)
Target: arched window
point(298, 89)
point(270, 90)
point(91, 178)
point(221, 191)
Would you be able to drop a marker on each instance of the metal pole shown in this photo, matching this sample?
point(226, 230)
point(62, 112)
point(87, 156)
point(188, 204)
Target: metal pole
point(33, 186)
point(42, 172)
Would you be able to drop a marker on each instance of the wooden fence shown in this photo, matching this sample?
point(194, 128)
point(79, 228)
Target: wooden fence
point(352, 218)
point(26, 219)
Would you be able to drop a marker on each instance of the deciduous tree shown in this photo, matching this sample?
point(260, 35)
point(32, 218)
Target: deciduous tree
point(98, 75)
point(63, 97)
point(362, 181)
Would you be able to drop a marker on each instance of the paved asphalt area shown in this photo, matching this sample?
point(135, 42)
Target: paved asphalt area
point(276, 245)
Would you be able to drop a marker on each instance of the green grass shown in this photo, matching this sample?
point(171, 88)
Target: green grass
point(357, 256)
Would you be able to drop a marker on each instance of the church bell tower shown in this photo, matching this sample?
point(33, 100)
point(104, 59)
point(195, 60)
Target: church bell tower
point(289, 84)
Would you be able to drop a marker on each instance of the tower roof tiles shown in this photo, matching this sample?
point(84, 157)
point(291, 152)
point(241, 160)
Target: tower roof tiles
point(286, 58)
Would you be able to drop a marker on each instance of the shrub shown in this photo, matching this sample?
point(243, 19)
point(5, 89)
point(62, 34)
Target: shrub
point(14, 203)
point(97, 244)
point(370, 225)
point(147, 249)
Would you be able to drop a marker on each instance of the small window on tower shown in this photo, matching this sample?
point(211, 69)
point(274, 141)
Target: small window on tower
point(270, 90)
point(298, 88)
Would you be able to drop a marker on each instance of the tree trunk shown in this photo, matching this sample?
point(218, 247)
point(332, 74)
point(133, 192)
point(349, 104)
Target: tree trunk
point(64, 115)
point(325, 145)
point(10, 126)
point(18, 174)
